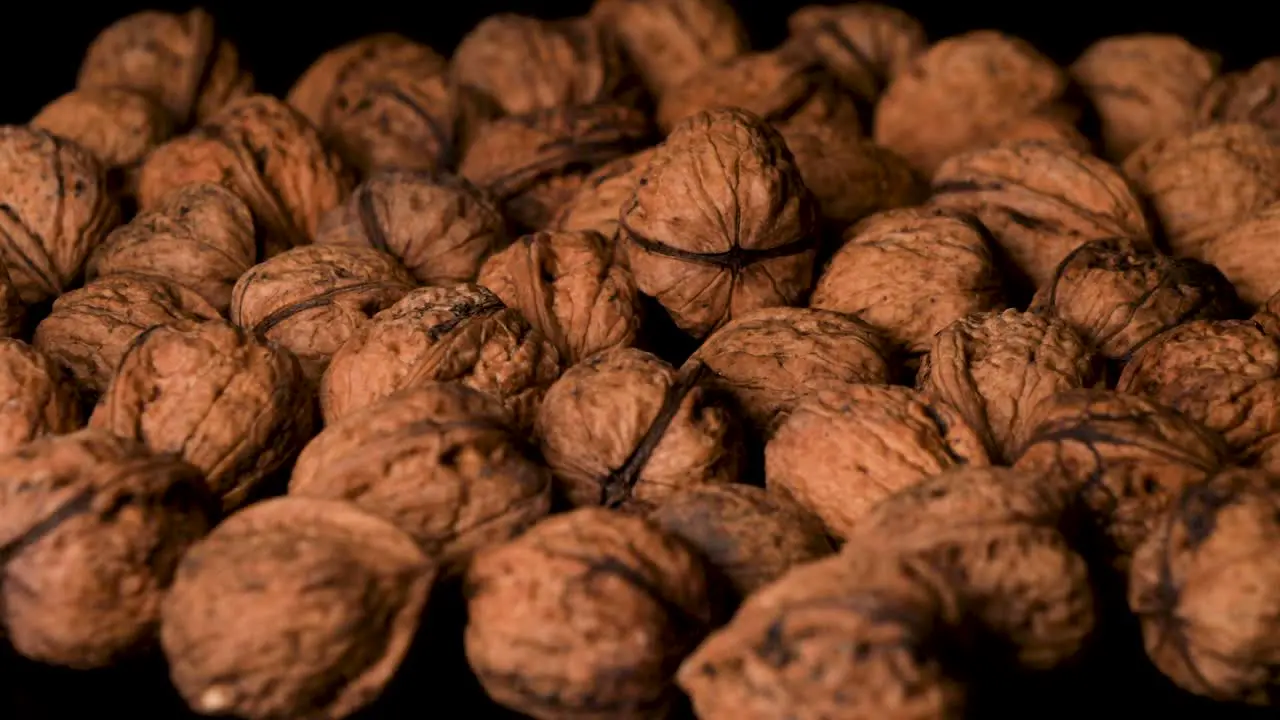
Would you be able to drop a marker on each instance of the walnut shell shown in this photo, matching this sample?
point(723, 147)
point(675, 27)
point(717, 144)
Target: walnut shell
point(1057, 129)
point(92, 527)
point(1245, 255)
point(293, 607)
point(703, 269)
point(1268, 316)
point(864, 45)
point(1245, 96)
point(57, 209)
point(13, 313)
point(36, 397)
point(598, 203)
point(586, 615)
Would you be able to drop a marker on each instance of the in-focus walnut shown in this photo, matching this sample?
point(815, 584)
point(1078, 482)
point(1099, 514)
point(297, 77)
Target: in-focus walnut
point(36, 397)
point(535, 164)
point(624, 430)
point(233, 406)
point(13, 313)
point(266, 153)
point(996, 367)
point(89, 329)
point(1117, 294)
point(682, 249)
point(92, 528)
point(600, 200)
point(1200, 185)
point(1143, 86)
point(200, 236)
point(1247, 96)
point(963, 90)
point(293, 607)
point(440, 461)
point(865, 636)
point(1246, 255)
point(910, 273)
point(586, 616)
point(1206, 585)
point(311, 299)
point(771, 359)
point(566, 285)
point(58, 208)
point(864, 45)
point(178, 60)
point(461, 333)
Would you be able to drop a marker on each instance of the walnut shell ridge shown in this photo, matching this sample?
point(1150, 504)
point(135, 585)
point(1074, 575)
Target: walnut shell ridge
point(864, 45)
point(36, 396)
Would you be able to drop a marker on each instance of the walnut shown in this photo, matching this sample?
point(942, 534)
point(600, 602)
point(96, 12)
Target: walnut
point(58, 209)
point(313, 298)
point(586, 615)
point(439, 461)
point(36, 397)
point(910, 273)
point(234, 406)
point(266, 153)
point(89, 330)
point(839, 453)
point(1143, 86)
point(996, 367)
point(864, 45)
point(1245, 96)
point(600, 200)
point(178, 60)
point(624, 430)
point(1242, 164)
point(92, 527)
point(1244, 255)
point(13, 314)
point(1043, 128)
point(1206, 586)
point(963, 90)
point(704, 270)
point(200, 236)
point(293, 607)
point(771, 359)
point(534, 164)
point(461, 333)
point(1118, 293)
point(1268, 316)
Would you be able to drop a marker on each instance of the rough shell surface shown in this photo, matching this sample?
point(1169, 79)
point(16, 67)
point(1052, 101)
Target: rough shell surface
point(36, 396)
point(1247, 255)
point(864, 45)
point(598, 203)
point(13, 313)
point(1247, 96)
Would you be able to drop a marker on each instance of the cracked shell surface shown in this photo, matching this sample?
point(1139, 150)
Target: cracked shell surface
point(1206, 586)
point(13, 313)
point(36, 396)
point(681, 246)
point(625, 430)
point(1245, 96)
point(864, 45)
point(439, 461)
point(840, 453)
point(598, 203)
point(1246, 255)
point(93, 528)
point(587, 615)
point(234, 406)
point(58, 208)
point(293, 607)
point(313, 298)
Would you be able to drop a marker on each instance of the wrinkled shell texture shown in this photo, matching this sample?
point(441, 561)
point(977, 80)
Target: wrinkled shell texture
point(1246, 96)
point(585, 616)
point(36, 397)
point(599, 201)
point(1246, 254)
point(116, 126)
point(1268, 316)
point(12, 312)
point(864, 45)
point(293, 607)
point(683, 250)
point(93, 528)
point(623, 430)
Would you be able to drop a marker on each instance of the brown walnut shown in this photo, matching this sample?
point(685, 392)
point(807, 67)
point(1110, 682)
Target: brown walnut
point(598, 203)
point(1268, 316)
point(1251, 95)
point(13, 313)
point(1246, 255)
point(1057, 129)
point(36, 396)
point(864, 45)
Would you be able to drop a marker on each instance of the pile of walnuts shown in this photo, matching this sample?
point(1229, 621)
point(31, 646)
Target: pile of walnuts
point(849, 378)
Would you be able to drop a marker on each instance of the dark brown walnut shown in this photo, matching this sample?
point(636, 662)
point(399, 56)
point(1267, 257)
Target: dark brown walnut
point(293, 607)
point(1143, 86)
point(567, 286)
point(963, 92)
point(89, 329)
point(585, 616)
point(703, 269)
point(91, 530)
point(13, 313)
point(265, 152)
point(535, 164)
point(200, 236)
point(771, 359)
point(1246, 255)
point(865, 636)
point(625, 430)
point(1040, 201)
point(839, 453)
point(461, 333)
point(178, 60)
point(36, 397)
point(1268, 316)
point(57, 207)
point(864, 45)
point(313, 298)
point(1124, 457)
point(234, 406)
point(1206, 586)
point(599, 201)
point(1245, 96)
point(996, 367)
point(1200, 185)
point(910, 273)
